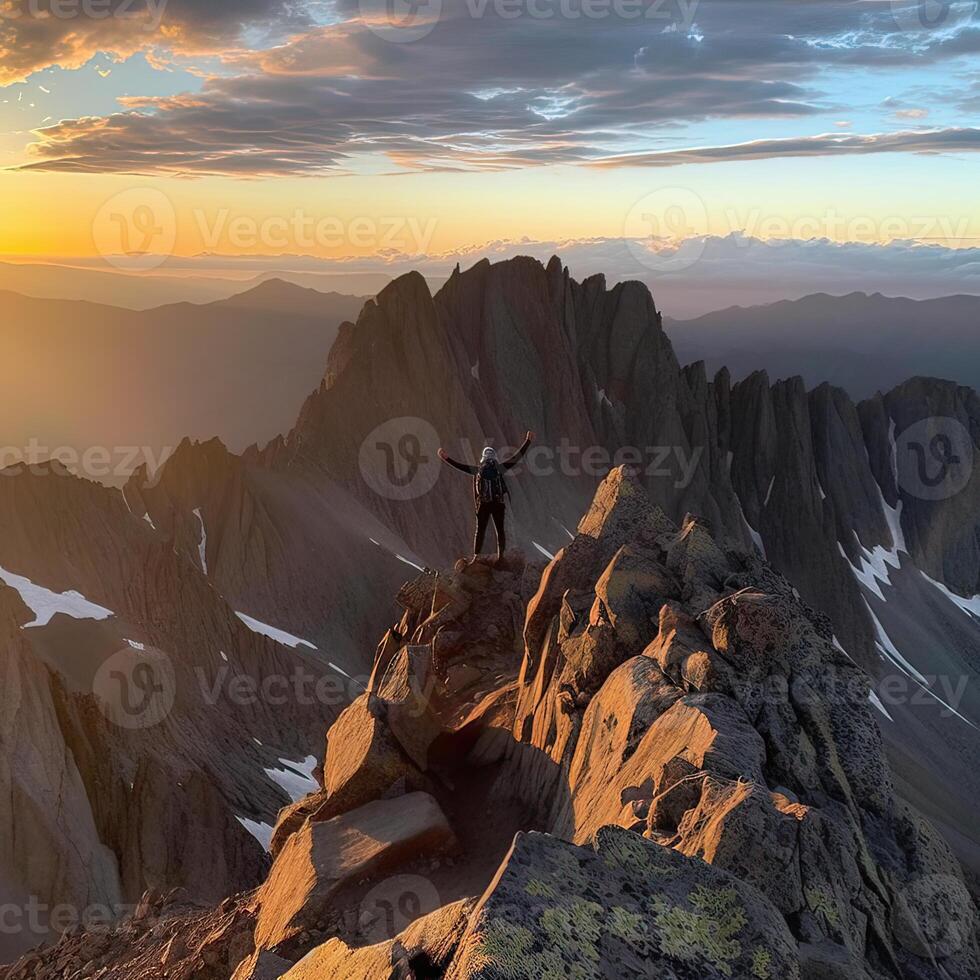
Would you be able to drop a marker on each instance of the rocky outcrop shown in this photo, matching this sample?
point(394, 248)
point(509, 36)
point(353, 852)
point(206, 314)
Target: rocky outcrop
point(622, 907)
point(696, 777)
point(324, 856)
point(281, 546)
point(138, 741)
point(739, 735)
point(829, 491)
point(371, 824)
point(612, 685)
point(424, 948)
point(363, 762)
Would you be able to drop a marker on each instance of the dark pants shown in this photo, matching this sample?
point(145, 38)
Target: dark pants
point(496, 511)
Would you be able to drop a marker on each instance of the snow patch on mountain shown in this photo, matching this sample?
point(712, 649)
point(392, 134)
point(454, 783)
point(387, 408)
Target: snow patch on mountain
point(280, 636)
point(262, 832)
point(969, 606)
point(876, 701)
point(202, 545)
point(296, 778)
point(46, 604)
point(753, 533)
point(890, 651)
point(874, 565)
point(401, 558)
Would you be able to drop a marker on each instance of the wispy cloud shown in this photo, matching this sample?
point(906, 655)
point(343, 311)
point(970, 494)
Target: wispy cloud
point(913, 141)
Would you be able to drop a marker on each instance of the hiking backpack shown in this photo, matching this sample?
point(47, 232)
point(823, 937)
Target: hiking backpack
point(490, 486)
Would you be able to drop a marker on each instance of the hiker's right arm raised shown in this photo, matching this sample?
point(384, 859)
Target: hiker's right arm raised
point(456, 464)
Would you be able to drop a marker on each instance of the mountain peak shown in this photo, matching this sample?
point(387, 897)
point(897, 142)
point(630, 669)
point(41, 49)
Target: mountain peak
point(280, 297)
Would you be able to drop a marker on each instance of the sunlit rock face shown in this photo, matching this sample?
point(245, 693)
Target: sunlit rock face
point(640, 638)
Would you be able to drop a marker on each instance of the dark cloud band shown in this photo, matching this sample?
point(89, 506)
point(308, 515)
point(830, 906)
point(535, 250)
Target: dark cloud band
point(480, 91)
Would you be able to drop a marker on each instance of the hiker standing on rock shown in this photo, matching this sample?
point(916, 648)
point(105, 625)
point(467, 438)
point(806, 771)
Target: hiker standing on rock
point(490, 491)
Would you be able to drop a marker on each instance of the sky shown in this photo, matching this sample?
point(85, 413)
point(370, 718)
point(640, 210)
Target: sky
point(136, 130)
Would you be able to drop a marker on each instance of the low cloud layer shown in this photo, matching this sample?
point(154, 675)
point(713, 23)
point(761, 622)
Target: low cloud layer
point(687, 280)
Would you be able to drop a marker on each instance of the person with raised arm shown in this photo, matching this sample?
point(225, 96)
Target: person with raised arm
point(490, 492)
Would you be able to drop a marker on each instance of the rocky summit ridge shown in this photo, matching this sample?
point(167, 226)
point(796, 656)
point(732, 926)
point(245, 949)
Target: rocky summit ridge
point(841, 497)
point(646, 758)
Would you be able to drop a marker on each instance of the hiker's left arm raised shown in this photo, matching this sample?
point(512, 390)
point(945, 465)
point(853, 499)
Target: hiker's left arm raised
point(520, 454)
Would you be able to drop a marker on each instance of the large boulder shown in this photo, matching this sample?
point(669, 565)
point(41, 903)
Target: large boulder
point(261, 965)
point(426, 945)
point(321, 858)
point(621, 909)
point(406, 690)
point(363, 763)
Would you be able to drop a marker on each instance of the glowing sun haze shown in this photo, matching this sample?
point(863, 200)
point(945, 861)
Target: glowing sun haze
point(339, 129)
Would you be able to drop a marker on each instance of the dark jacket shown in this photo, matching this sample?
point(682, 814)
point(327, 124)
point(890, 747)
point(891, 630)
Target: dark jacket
point(504, 465)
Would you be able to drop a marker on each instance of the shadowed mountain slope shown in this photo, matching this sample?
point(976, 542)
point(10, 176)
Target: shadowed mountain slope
point(869, 510)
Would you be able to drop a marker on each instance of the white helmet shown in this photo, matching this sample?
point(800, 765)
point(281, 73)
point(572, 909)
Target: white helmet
point(488, 453)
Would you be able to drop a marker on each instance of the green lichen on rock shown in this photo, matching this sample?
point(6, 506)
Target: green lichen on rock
point(706, 931)
point(822, 903)
point(571, 934)
point(627, 926)
point(568, 871)
point(537, 888)
point(550, 964)
point(694, 921)
point(507, 947)
point(577, 927)
point(762, 963)
point(630, 852)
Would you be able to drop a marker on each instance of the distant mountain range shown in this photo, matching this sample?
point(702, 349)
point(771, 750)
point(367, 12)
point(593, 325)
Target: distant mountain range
point(145, 290)
point(258, 568)
point(85, 375)
point(859, 342)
